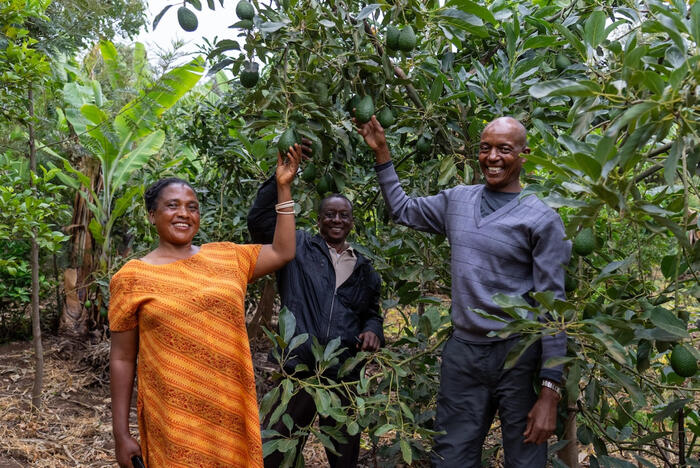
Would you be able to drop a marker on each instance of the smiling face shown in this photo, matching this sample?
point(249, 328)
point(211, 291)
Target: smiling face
point(502, 142)
point(335, 220)
point(176, 215)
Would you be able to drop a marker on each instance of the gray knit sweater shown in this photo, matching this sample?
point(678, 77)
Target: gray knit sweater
point(518, 249)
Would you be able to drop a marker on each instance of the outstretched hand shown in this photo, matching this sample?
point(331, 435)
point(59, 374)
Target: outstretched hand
point(287, 168)
point(373, 133)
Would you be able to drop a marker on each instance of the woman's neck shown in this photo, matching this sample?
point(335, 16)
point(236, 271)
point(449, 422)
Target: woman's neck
point(166, 253)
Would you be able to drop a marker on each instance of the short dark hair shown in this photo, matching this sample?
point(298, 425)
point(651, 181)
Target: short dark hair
point(333, 195)
point(153, 191)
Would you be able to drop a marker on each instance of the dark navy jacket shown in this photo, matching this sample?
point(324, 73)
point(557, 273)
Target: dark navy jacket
point(307, 287)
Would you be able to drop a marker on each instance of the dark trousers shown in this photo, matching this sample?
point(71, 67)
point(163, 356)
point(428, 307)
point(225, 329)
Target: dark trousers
point(302, 410)
point(473, 385)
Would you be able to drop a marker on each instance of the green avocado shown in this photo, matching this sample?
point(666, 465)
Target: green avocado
point(249, 75)
point(364, 109)
point(244, 10)
point(423, 145)
point(392, 37)
point(309, 173)
point(570, 282)
point(352, 104)
point(287, 139)
point(407, 39)
point(187, 19)
point(683, 361)
point(386, 117)
point(324, 185)
point(584, 242)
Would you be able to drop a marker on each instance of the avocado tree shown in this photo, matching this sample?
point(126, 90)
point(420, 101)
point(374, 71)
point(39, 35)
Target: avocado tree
point(608, 93)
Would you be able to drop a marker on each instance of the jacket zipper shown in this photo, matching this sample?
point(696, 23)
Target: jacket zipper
point(330, 317)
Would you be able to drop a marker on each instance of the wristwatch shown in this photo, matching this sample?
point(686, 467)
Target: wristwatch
point(552, 386)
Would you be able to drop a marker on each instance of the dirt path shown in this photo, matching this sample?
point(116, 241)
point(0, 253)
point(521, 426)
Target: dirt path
point(74, 428)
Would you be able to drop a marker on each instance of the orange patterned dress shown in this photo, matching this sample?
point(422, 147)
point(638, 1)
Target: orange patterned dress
point(196, 389)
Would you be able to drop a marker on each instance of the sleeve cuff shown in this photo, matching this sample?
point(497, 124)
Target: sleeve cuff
point(555, 375)
point(382, 166)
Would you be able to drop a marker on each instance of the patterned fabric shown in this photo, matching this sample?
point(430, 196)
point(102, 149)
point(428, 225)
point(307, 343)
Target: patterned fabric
point(196, 389)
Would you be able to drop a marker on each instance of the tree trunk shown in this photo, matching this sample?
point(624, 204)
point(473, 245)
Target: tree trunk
point(263, 313)
point(34, 262)
point(75, 318)
point(569, 454)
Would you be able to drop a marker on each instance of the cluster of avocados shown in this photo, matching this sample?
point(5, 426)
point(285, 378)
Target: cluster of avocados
point(401, 39)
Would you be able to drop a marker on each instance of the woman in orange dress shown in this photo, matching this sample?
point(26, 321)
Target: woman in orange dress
point(180, 309)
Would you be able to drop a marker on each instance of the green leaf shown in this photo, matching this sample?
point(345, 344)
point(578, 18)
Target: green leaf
point(448, 170)
point(368, 10)
point(632, 388)
point(537, 42)
point(406, 451)
point(564, 87)
point(519, 349)
point(297, 341)
point(667, 321)
point(473, 8)
point(594, 28)
point(136, 118)
point(159, 16)
point(96, 230)
point(287, 324)
point(612, 347)
point(134, 160)
point(671, 162)
point(380, 431)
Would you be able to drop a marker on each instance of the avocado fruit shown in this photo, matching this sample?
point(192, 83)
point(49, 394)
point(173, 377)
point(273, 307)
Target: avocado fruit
point(309, 173)
point(570, 282)
point(249, 75)
point(423, 145)
point(683, 361)
point(584, 242)
point(364, 109)
point(352, 104)
point(187, 19)
point(392, 37)
point(244, 10)
point(407, 39)
point(288, 138)
point(325, 184)
point(386, 117)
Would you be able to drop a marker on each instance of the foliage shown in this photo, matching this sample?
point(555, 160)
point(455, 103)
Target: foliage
point(122, 143)
point(607, 91)
point(72, 25)
point(23, 215)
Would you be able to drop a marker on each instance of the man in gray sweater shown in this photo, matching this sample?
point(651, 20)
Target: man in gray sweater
point(500, 243)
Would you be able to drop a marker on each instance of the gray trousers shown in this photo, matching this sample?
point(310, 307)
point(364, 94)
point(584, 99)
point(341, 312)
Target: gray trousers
point(473, 385)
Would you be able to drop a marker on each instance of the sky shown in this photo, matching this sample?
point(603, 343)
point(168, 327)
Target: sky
point(211, 24)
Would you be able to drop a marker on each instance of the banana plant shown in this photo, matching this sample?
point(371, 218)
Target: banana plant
point(121, 144)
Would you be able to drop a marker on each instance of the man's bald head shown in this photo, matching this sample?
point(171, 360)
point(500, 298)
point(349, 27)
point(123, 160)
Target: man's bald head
point(519, 132)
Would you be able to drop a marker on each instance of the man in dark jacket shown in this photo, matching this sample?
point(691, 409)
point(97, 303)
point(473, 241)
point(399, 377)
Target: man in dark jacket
point(333, 291)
